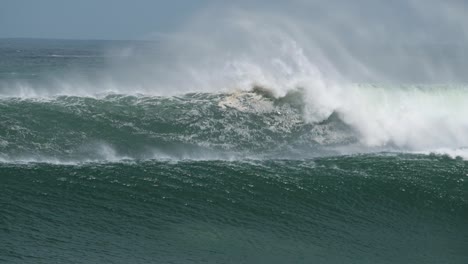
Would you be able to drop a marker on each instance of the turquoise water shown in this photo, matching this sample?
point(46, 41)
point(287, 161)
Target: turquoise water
point(220, 177)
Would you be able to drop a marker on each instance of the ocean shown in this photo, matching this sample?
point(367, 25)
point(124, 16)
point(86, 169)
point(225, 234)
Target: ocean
point(98, 168)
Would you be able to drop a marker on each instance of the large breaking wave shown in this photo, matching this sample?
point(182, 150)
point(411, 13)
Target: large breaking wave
point(256, 124)
point(257, 84)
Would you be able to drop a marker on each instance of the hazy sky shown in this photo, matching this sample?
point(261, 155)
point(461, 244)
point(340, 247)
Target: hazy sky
point(349, 35)
point(143, 19)
point(93, 19)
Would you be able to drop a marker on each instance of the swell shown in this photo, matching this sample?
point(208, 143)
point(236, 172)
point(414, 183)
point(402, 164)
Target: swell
point(321, 209)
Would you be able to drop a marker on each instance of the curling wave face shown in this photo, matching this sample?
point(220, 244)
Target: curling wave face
point(244, 124)
point(193, 126)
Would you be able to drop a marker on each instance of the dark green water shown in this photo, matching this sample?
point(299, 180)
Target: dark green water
point(359, 209)
point(215, 177)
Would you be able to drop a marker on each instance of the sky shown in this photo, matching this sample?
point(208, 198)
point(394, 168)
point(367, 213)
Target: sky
point(93, 19)
point(433, 20)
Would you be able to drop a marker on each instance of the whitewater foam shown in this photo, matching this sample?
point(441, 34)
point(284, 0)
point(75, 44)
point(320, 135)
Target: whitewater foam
point(452, 153)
